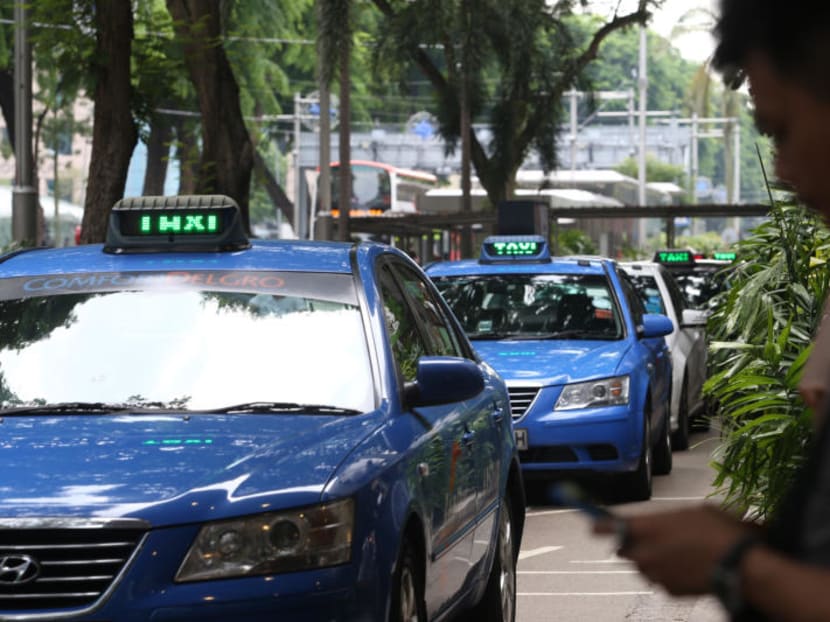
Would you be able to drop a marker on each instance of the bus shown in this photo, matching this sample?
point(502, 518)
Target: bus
point(380, 189)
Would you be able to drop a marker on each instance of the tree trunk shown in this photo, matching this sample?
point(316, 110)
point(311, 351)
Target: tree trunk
point(158, 150)
point(114, 133)
point(275, 192)
point(7, 102)
point(187, 152)
point(227, 152)
point(345, 171)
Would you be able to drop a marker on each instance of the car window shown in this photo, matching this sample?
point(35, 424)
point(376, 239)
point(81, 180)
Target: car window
point(646, 287)
point(700, 286)
point(428, 311)
point(404, 338)
point(634, 303)
point(533, 306)
point(675, 294)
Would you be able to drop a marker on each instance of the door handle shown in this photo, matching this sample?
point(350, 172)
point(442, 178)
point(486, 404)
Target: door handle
point(498, 413)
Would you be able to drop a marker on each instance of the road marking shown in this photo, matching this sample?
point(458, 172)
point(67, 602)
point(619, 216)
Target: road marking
point(585, 594)
point(539, 551)
point(610, 560)
point(573, 572)
point(549, 512)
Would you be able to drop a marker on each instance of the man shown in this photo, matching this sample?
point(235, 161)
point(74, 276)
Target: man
point(779, 572)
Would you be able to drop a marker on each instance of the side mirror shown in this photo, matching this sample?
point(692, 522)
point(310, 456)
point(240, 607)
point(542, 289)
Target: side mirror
point(443, 380)
point(693, 318)
point(656, 325)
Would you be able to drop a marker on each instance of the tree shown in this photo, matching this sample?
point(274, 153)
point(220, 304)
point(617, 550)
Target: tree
point(656, 170)
point(114, 132)
point(227, 157)
point(529, 48)
point(334, 46)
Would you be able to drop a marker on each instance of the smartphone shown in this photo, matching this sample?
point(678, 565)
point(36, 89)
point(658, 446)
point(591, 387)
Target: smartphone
point(572, 495)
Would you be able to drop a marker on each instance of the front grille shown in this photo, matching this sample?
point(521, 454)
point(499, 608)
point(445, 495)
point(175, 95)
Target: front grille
point(520, 400)
point(62, 567)
point(548, 453)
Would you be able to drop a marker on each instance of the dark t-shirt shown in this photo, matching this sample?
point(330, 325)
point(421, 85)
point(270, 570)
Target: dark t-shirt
point(801, 529)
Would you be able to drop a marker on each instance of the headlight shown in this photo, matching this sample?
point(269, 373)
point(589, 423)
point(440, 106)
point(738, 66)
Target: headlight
point(301, 539)
point(606, 392)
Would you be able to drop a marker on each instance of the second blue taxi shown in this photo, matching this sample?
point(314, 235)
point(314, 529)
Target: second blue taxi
point(588, 370)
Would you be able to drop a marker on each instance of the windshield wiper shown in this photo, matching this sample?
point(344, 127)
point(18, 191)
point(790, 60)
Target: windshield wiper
point(282, 407)
point(574, 333)
point(68, 407)
point(494, 336)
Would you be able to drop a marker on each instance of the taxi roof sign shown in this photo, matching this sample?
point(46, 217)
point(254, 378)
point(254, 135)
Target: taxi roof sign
point(675, 257)
point(725, 255)
point(515, 248)
point(175, 223)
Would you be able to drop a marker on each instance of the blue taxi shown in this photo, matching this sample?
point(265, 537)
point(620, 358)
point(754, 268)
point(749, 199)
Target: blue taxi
point(199, 426)
point(587, 368)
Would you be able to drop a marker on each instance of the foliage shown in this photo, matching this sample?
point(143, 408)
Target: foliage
point(706, 243)
point(760, 332)
point(574, 242)
point(656, 170)
point(616, 67)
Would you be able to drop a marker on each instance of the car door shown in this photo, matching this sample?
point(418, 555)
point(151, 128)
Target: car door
point(692, 340)
point(452, 478)
point(488, 418)
point(659, 358)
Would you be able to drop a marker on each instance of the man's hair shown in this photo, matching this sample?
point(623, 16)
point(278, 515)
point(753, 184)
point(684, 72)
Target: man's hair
point(793, 35)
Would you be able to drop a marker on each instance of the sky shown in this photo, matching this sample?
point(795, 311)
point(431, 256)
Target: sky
point(694, 46)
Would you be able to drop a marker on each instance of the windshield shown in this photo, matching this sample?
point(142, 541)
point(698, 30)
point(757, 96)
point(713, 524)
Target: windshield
point(170, 341)
point(648, 291)
point(699, 287)
point(533, 306)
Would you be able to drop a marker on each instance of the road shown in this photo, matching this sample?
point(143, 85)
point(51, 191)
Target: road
point(566, 574)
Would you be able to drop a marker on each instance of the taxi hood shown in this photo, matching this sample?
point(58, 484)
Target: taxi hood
point(169, 469)
point(552, 362)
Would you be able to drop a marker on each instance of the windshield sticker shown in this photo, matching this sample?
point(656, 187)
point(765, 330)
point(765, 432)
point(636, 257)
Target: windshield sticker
point(328, 286)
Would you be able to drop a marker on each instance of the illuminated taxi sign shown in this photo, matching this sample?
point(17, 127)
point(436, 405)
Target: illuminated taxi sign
point(675, 257)
point(724, 256)
point(175, 223)
point(515, 248)
point(172, 222)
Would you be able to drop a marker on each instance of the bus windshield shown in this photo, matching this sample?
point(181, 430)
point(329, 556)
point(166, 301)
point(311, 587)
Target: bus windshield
point(371, 190)
point(379, 188)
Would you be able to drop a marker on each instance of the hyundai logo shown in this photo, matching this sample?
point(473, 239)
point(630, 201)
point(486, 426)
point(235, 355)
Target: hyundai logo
point(18, 569)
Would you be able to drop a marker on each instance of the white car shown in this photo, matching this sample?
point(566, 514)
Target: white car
point(660, 293)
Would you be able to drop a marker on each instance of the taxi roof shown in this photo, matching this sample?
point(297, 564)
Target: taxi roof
point(291, 255)
point(557, 265)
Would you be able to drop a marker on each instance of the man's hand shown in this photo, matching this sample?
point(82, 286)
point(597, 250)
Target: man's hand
point(678, 549)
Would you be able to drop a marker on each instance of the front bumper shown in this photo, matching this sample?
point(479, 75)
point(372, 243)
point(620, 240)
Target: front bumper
point(607, 439)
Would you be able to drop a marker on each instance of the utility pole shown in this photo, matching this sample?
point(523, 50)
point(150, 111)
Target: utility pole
point(574, 128)
point(736, 174)
point(24, 194)
point(299, 212)
point(642, 84)
point(466, 130)
point(324, 181)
